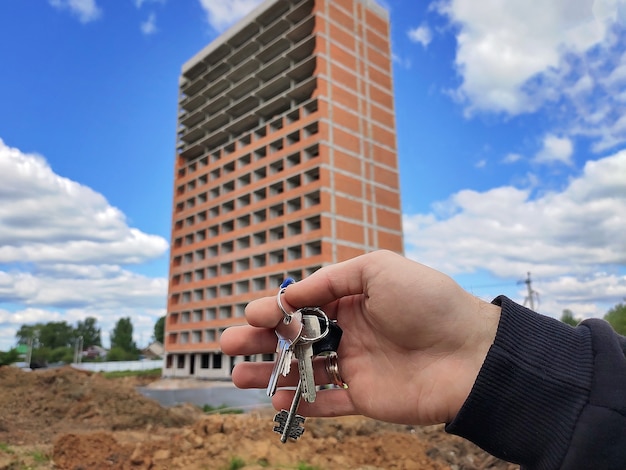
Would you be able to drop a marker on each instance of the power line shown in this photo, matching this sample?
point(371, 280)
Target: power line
point(532, 294)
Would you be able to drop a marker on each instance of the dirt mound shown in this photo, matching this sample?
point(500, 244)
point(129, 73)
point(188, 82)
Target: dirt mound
point(65, 419)
point(37, 406)
point(247, 441)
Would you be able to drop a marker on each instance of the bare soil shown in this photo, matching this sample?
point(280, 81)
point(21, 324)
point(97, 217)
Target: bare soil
point(73, 420)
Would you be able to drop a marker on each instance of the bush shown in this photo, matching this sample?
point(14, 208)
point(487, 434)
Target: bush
point(9, 357)
point(119, 354)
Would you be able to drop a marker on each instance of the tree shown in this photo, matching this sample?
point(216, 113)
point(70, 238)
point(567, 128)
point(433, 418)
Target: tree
point(122, 336)
point(568, 317)
point(55, 335)
point(9, 357)
point(118, 354)
point(89, 331)
point(617, 318)
point(28, 333)
point(159, 329)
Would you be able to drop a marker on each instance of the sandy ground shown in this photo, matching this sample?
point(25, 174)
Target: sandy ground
point(68, 419)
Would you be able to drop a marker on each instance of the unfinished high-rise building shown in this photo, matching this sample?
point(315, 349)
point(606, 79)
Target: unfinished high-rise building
point(286, 162)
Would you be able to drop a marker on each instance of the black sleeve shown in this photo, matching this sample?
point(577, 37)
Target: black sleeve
point(549, 396)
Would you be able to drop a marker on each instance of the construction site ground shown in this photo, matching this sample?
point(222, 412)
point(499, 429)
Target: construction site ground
point(74, 420)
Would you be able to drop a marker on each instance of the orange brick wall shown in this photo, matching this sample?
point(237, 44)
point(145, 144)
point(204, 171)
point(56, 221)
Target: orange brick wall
point(314, 185)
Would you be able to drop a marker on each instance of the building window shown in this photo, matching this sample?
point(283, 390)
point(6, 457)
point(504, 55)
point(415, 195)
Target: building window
point(259, 238)
point(243, 287)
point(276, 257)
point(243, 243)
point(226, 268)
point(277, 211)
point(204, 361)
point(243, 264)
point(196, 336)
point(294, 252)
point(217, 361)
point(259, 283)
point(240, 310)
point(259, 260)
point(197, 315)
point(225, 311)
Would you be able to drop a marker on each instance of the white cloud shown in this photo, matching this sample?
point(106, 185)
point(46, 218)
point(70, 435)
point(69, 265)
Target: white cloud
point(63, 249)
point(65, 289)
point(85, 10)
point(403, 62)
point(149, 26)
point(511, 158)
point(502, 45)
point(555, 149)
point(221, 14)
point(575, 237)
point(570, 57)
point(421, 35)
point(49, 218)
point(140, 3)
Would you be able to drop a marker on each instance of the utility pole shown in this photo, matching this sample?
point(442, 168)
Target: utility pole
point(78, 350)
point(530, 298)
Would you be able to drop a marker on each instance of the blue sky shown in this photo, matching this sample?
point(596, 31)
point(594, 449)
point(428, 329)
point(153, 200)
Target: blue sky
point(511, 136)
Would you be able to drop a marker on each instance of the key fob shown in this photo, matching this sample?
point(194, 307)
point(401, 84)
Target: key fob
point(331, 341)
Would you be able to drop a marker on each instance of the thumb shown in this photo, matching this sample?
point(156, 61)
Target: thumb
point(330, 283)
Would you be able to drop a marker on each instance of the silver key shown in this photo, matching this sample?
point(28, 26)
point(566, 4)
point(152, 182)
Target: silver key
point(303, 350)
point(288, 336)
point(282, 363)
point(290, 423)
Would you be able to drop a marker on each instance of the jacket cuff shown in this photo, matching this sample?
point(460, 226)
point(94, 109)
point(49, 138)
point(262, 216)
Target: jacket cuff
point(531, 389)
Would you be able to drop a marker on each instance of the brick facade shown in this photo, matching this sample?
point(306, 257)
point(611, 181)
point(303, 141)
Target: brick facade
point(286, 161)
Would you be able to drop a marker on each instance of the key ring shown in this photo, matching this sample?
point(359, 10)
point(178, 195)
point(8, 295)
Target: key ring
point(318, 312)
point(287, 317)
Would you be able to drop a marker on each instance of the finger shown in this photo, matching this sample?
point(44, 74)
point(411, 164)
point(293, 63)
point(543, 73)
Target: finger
point(257, 374)
point(329, 284)
point(328, 403)
point(247, 340)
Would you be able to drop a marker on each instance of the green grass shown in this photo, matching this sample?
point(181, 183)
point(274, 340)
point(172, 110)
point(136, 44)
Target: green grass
point(39, 456)
point(4, 447)
point(222, 409)
point(306, 466)
point(133, 373)
point(236, 463)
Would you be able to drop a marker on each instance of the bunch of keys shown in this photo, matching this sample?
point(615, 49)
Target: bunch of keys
point(309, 333)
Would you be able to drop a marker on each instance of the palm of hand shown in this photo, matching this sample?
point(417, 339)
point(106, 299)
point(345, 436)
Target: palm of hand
point(393, 372)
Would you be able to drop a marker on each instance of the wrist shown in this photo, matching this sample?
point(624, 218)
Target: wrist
point(480, 333)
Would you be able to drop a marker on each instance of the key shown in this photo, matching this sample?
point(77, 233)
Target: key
point(288, 335)
point(311, 332)
point(290, 424)
point(282, 365)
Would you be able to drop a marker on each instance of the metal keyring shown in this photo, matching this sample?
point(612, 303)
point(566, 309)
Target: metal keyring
point(283, 287)
point(319, 313)
point(332, 369)
point(286, 315)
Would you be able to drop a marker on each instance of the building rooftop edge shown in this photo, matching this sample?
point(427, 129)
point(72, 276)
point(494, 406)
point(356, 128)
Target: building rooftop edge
point(377, 7)
point(226, 35)
point(238, 26)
